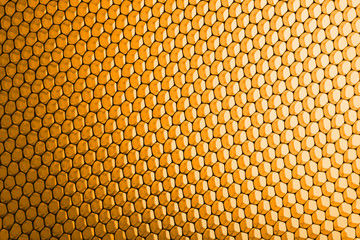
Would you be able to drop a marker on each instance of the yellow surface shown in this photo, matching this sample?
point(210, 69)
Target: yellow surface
point(179, 119)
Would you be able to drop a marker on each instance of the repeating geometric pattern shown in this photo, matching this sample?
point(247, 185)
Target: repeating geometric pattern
point(184, 119)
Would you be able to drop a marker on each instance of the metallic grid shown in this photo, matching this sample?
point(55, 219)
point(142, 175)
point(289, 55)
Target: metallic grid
point(183, 119)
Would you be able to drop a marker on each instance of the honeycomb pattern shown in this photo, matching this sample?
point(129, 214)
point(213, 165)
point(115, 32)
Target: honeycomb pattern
point(183, 119)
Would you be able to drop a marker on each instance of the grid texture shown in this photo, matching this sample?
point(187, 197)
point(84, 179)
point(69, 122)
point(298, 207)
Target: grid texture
point(184, 119)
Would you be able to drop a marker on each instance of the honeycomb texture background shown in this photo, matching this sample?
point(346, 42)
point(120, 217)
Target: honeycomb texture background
point(179, 119)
